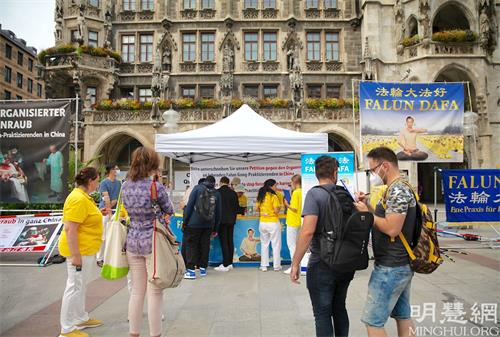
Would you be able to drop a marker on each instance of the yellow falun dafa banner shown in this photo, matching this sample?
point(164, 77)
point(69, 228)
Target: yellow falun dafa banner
point(420, 121)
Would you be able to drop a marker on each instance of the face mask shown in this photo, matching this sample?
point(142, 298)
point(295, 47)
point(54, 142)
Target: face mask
point(375, 180)
point(117, 171)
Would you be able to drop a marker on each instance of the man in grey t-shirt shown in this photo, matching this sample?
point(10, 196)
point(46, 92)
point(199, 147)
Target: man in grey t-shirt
point(390, 282)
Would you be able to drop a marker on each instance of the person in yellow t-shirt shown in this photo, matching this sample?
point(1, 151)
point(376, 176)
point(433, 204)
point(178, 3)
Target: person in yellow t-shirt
point(269, 206)
point(79, 242)
point(242, 199)
point(294, 216)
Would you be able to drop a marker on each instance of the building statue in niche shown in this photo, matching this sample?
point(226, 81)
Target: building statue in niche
point(400, 26)
point(107, 28)
point(425, 21)
point(296, 80)
point(226, 80)
point(166, 59)
point(228, 59)
point(81, 25)
point(58, 18)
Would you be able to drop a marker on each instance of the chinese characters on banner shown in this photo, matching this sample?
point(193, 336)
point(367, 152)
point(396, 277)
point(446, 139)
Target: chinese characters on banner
point(472, 195)
point(346, 172)
point(419, 121)
point(34, 151)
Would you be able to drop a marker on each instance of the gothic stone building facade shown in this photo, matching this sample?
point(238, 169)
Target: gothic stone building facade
point(291, 49)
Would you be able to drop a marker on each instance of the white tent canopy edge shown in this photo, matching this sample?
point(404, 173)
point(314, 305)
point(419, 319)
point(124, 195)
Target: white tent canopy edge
point(243, 136)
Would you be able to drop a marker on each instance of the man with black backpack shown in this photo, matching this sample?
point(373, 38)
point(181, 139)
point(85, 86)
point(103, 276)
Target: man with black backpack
point(337, 238)
point(201, 219)
point(395, 221)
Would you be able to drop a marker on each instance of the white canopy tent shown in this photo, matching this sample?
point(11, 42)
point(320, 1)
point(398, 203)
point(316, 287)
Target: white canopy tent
point(244, 136)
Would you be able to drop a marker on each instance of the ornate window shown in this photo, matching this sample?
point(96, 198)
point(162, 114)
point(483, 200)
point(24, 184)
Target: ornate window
point(207, 4)
point(128, 48)
point(270, 46)
point(189, 4)
point(146, 47)
point(207, 91)
point(92, 94)
point(312, 4)
point(94, 3)
point(188, 47)
point(188, 91)
point(332, 46)
point(270, 4)
point(147, 5)
point(250, 4)
point(251, 90)
point(145, 95)
point(93, 39)
point(251, 46)
point(314, 90)
point(207, 47)
point(129, 5)
point(331, 4)
point(270, 90)
point(313, 46)
point(332, 91)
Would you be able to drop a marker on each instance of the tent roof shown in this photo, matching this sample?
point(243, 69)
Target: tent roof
point(244, 135)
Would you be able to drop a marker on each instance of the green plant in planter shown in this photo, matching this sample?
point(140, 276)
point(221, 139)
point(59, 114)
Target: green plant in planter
point(455, 35)
point(185, 103)
point(236, 103)
point(208, 103)
point(252, 102)
point(147, 105)
point(411, 41)
point(165, 103)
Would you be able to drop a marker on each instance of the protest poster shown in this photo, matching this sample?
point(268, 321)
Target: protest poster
point(34, 148)
point(472, 196)
point(420, 121)
point(28, 233)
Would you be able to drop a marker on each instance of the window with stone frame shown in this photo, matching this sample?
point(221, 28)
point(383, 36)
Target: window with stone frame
point(30, 64)
point(147, 5)
point(19, 80)
point(7, 95)
point(312, 4)
point(313, 46)
point(332, 49)
point(207, 47)
point(330, 4)
point(146, 44)
point(207, 91)
point(93, 39)
point(145, 95)
point(20, 57)
point(188, 91)
point(189, 4)
point(30, 85)
point(250, 4)
point(94, 3)
point(333, 90)
point(270, 91)
point(129, 5)
point(7, 75)
point(74, 35)
point(314, 90)
point(128, 48)
point(127, 93)
point(189, 47)
point(8, 51)
point(39, 90)
point(18, 97)
point(251, 46)
point(92, 94)
point(251, 90)
point(269, 4)
point(270, 46)
point(207, 4)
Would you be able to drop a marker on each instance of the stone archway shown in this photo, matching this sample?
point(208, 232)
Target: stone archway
point(451, 15)
point(412, 26)
point(457, 73)
point(118, 150)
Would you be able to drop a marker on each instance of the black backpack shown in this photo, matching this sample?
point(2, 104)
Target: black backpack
point(345, 233)
point(205, 204)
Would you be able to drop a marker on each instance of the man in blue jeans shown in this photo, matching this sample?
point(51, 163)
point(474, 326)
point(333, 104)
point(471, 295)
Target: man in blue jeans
point(327, 288)
point(390, 282)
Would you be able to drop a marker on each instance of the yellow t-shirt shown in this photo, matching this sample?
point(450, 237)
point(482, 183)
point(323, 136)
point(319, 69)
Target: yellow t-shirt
point(271, 201)
point(281, 198)
point(243, 201)
point(80, 207)
point(293, 218)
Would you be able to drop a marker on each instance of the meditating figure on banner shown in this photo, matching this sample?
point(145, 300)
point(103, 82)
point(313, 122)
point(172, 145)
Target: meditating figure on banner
point(408, 141)
point(55, 162)
point(249, 247)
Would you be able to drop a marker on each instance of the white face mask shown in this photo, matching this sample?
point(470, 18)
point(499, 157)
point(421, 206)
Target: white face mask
point(117, 172)
point(375, 180)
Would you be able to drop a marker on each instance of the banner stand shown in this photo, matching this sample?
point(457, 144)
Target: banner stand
point(46, 253)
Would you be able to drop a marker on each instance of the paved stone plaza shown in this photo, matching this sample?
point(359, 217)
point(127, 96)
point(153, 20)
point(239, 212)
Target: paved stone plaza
point(243, 302)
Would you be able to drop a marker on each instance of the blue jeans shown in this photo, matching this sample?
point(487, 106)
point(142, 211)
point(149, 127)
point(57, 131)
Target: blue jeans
point(328, 291)
point(388, 295)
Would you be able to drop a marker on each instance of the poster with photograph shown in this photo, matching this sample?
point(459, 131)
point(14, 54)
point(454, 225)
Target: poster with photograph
point(28, 233)
point(34, 150)
point(421, 122)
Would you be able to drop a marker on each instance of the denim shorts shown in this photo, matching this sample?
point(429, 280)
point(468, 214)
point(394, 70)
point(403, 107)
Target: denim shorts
point(388, 295)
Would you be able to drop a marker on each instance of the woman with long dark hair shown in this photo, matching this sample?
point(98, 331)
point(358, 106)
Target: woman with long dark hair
point(268, 206)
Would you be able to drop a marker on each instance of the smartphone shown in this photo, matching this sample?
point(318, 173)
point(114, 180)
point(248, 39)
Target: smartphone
point(348, 190)
point(78, 268)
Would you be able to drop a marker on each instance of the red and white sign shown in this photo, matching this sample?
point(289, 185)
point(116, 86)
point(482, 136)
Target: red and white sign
point(28, 233)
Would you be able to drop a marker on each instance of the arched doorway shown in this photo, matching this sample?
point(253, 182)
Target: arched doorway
point(338, 143)
point(450, 16)
point(451, 73)
point(118, 150)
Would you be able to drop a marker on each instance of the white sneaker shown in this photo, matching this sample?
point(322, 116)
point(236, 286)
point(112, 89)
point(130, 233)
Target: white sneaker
point(230, 267)
point(277, 268)
point(263, 268)
point(221, 268)
point(288, 271)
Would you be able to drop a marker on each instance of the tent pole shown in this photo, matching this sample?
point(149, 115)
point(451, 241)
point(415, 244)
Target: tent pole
point(354, 132)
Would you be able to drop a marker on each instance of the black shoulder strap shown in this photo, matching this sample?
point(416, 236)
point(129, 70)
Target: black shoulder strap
point(337, 212)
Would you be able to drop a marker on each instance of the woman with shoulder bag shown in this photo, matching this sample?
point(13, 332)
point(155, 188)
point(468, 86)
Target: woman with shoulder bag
point(136, 196)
